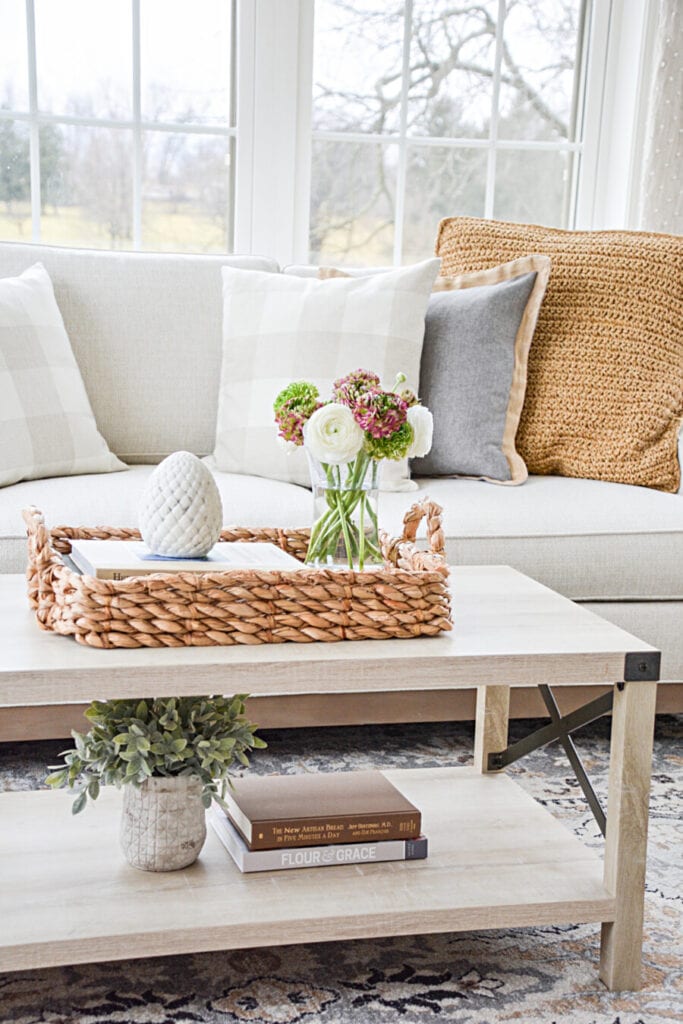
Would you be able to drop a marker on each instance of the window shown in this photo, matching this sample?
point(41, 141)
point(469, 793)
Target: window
point(428, 109)
point(325, 130)
point(116, 123)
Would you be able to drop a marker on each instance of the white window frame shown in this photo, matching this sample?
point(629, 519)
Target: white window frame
point(618, 78)
point(274, 104)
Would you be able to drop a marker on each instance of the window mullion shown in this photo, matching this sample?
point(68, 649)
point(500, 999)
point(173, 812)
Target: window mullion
point(34, 135)
point(137, 129)
point(273, 202)
point(495, 101)
point(402, 171)
point(245, 74)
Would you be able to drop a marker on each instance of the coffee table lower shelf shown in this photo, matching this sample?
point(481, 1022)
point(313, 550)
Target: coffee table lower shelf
point(497, 859)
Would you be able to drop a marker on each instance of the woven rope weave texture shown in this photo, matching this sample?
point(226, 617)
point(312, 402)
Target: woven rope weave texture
point(604, 395)
point(408, 598)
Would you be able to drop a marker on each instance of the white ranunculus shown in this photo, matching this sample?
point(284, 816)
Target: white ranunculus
point(332, 435)
point(422, 422)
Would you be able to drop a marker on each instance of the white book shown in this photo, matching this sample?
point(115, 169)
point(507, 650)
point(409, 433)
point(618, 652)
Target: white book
point(311, 856)
point(117, 559)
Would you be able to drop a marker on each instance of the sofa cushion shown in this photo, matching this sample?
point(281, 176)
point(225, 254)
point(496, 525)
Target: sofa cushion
point(137, 322)
point(474, 368)
point(605, 391)
point(586, 539)
point(478, 329)
point(287, 328)
point(46, 423)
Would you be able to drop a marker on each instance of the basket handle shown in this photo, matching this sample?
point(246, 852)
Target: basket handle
point(429, 510)
point(38, 534)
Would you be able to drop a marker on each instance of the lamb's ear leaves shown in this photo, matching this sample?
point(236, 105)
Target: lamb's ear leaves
point(79, 803)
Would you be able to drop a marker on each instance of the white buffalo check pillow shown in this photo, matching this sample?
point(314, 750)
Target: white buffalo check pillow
point(278, 328)
point(47, 427)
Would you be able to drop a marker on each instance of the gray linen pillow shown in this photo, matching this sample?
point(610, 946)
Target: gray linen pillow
point(478, 331)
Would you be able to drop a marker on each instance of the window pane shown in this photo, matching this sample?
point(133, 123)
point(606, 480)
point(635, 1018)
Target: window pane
point(357, 68)
point(186, 192)
point(13, 56)
point(452, 55)
point(185, 59)
point(87, 187)
point(352, 203)
point(440, 183)
point(84, 57)
point(533, 186)
point(537, 73)
point(15, 189)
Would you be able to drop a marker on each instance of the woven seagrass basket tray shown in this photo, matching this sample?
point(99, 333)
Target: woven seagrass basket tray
point(409, 597)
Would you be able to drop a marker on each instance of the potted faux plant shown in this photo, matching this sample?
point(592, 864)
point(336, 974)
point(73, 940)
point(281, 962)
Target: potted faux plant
point(172, 756)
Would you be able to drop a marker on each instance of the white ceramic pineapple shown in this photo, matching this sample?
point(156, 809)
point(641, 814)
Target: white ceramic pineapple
point(180, 512)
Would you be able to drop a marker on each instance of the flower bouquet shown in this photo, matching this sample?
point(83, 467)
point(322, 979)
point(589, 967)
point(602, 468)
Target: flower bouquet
point(346, 439)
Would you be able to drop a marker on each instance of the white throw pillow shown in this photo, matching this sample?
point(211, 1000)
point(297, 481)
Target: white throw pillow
point(47, 427)
point(278, 328)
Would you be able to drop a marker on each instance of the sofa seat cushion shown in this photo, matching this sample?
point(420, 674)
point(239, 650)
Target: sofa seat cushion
point(112, 500)
point(587, 539)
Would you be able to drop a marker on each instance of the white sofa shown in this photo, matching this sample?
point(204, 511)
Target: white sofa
point(146, 331)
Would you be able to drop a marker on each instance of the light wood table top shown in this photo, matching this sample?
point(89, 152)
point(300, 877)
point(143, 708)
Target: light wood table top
point(508, 629)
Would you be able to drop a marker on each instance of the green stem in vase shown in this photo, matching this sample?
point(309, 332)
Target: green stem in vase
point(345, 530)
point(348, 514)
point(361, 531)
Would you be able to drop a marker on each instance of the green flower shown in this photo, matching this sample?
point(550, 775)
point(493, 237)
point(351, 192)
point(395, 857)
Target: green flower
point(395, 446)
point(293, 408)
point(301, 396)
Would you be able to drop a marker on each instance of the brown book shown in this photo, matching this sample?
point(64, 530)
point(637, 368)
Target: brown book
point(278, 811)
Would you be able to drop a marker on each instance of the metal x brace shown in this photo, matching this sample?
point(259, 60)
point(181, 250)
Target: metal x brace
point(559, 728)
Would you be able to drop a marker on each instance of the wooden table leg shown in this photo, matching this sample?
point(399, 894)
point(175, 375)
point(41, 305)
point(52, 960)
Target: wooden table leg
point(491, 726)
point(626, 842)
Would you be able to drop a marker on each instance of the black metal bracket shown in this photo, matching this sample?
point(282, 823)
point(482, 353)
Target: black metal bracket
point(643, 666)
point(559, 728)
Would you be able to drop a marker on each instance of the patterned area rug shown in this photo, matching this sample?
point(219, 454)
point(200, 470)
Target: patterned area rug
point(529, 976)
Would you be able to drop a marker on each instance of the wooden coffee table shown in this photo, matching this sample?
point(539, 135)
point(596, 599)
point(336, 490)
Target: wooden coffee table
point(497, 858)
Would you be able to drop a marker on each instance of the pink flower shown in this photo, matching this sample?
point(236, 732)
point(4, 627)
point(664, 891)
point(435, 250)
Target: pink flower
point(381, 413)
point(348, 390)
point(291, 419)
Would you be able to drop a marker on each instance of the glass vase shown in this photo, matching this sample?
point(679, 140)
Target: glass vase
point(344, 534)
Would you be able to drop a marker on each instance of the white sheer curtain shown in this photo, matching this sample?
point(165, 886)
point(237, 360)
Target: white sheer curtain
point(661, 199)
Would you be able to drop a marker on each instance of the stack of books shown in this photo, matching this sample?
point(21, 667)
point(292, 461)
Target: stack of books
point(119, 559)
point(317, 820)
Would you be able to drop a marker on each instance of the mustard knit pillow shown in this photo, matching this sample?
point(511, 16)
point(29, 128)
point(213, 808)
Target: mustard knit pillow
point(604, 394)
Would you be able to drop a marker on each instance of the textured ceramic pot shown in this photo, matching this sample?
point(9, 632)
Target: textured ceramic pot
point(163, 826)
